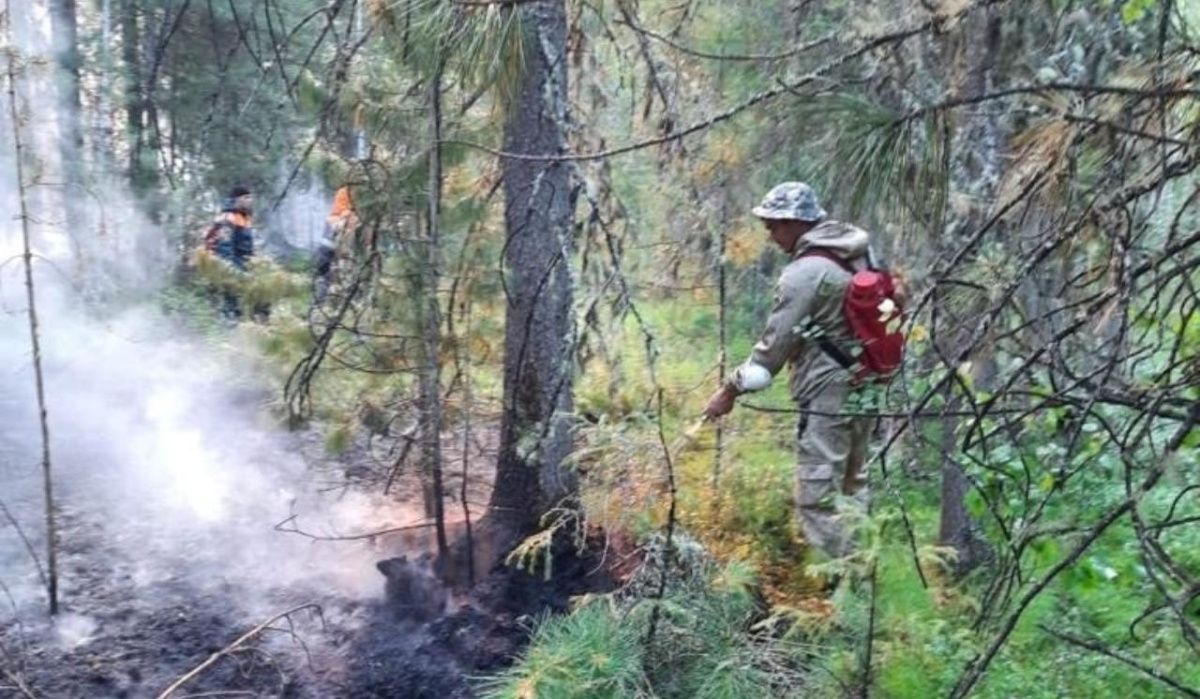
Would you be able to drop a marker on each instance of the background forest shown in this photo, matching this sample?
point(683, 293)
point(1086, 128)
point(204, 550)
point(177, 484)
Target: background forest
point(557, 265)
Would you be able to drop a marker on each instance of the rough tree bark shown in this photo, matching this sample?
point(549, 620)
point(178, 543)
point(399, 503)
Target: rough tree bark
point(66, 51)
point(70, 131)
point(535, 431)
point(980, 172)
point(131, 42)
point(431, 394)
point(101, 125)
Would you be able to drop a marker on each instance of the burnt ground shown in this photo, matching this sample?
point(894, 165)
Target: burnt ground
point(437, 660)
point(135, 647)
point(130, 630)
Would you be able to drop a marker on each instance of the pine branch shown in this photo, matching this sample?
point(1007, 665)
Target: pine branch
point(865, 46)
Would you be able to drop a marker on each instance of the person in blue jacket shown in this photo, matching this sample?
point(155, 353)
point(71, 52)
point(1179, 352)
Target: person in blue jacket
point(231, 238)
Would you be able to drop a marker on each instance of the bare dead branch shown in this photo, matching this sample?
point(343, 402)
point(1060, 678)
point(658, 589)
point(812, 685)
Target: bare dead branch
point(233, 647)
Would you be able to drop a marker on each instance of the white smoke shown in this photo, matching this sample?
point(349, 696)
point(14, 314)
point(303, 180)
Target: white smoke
point(162, 449)
point(300, 217)
point(163, 455)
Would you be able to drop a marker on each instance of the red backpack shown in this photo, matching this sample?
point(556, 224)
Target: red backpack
point(875, 318)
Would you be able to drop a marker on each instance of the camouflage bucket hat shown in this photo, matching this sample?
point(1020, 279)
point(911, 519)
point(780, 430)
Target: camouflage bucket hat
point(790, 201)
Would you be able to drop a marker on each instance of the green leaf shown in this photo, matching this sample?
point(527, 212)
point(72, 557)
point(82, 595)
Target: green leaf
point(1135, 10)
point(1045, 551)
point(975, 504)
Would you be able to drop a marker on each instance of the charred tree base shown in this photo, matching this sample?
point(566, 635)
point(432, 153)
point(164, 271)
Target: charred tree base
point(399, 656)
point(470, 560)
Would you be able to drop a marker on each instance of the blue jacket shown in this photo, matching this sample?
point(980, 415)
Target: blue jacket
point(234, 236)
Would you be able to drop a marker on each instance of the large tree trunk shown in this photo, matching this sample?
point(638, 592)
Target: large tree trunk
point(957, 529)
point(131, 42)
point(66, 51)
point(70, 133)
point(535, 432)
point(977, 175)
point(101, 142)
point(431, 385)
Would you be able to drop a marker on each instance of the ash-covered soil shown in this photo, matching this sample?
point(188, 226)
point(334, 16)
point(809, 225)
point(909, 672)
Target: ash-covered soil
point(490, 626)
point(152, 587)
point(116, 638)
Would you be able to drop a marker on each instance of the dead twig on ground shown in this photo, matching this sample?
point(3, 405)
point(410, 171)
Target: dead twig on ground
point(18, 684)
point(10, 670)
point(37, 562)
point(233, 647)
point(289, 526)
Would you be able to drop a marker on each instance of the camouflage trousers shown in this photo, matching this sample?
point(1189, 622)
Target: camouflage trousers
point(830, 480)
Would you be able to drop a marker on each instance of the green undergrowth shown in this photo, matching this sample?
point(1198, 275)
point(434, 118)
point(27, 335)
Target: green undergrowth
point(716, 637)
point(925, 632)
point(923, 639)
point(708, 642)
point(926, 639)
point(366, 377)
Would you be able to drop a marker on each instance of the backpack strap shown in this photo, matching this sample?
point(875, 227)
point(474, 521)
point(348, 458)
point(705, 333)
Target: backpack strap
point(827, 345)
point(830, 255)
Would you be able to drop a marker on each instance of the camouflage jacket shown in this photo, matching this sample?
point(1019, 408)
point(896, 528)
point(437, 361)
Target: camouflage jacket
point(808, 304)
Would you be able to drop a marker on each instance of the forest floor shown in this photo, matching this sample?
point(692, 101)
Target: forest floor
point(111, 641)
point(150, 590)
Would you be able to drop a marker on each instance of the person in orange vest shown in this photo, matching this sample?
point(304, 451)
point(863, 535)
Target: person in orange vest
point(231, 238)
point(337, 242)
point(231, 235)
